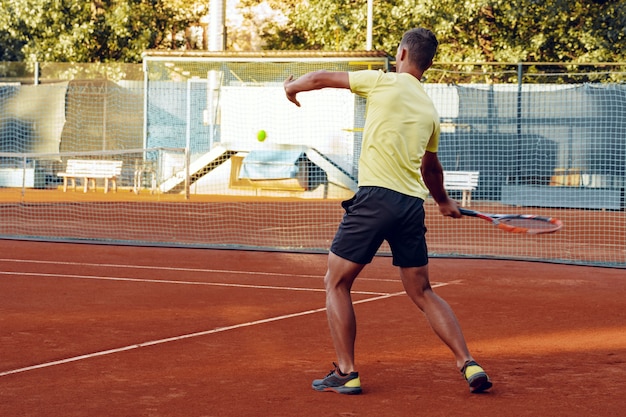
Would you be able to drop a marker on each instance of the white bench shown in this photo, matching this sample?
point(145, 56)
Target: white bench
point(465, 181)
point(90, 170)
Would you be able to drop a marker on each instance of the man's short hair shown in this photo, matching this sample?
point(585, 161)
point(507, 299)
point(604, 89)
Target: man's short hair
point(422, 46)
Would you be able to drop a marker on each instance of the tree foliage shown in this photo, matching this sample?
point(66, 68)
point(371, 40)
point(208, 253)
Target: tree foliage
point(468, 31)
point(91, 31)
point(254, 24)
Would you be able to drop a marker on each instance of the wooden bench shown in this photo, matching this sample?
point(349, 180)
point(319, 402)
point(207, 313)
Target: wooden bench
point(90, 170)
point(465, 181)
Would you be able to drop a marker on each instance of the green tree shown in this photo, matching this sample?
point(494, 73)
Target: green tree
point(468, 31)
point(255, 25)
point(92, 31)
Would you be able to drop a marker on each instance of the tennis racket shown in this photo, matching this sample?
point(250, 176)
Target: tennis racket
point(517, 223)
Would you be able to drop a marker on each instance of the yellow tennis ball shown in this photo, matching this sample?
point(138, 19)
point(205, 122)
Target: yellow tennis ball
point(261, 135)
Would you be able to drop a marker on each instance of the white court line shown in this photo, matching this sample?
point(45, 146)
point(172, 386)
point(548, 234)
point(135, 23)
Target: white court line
point(188, 336)
point(181, 337)
point(169, 268)
point(165, 281)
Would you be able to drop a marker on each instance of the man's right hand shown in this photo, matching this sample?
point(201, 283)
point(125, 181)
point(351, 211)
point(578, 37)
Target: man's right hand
point(291, 96)
point(450, 208)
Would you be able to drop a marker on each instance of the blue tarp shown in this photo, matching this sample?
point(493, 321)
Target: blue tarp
point(270, 165)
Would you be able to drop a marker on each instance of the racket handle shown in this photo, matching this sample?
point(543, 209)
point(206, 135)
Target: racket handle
point(467, 212)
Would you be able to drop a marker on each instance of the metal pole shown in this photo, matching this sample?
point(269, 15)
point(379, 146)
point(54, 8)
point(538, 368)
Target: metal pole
point(188, 142)
point(104, 115)
point(217, 25)
point(518, 173)
point(217, 42)
point(145, 105)
point(370, 20)
point(519, 97)
point(23, 176)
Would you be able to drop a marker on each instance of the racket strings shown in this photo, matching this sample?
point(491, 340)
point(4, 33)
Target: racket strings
point(529, 223)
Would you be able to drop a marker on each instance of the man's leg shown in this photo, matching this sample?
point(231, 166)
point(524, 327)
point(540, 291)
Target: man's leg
point(338, 281)
point(437, 311)
point(445, 324)
point(342, 322)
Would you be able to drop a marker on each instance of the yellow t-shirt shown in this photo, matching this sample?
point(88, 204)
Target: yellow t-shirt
point(401, 123)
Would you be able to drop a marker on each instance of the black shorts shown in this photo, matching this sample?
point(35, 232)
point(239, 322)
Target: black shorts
point(376, 214)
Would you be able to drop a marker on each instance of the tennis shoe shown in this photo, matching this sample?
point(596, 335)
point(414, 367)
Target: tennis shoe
point(476, 377)
point(337, 381)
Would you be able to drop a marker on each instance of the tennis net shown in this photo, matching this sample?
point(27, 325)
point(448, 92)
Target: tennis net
point(194, 174)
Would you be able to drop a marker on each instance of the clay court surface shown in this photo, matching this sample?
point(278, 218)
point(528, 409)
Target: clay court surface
point(102, 330)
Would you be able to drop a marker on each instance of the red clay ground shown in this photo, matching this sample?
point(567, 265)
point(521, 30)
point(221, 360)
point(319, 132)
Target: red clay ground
point(243, 334)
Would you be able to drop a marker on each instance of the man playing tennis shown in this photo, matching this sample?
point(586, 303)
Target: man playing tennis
point(398, 167)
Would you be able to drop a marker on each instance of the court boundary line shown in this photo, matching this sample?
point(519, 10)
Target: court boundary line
point(170, 268)
point(166, 281)
point(192, 335)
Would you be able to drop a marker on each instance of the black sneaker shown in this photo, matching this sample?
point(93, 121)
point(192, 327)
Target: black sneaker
point(476, 377)
point(337, 381)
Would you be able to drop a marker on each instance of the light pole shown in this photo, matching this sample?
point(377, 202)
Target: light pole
point(370, 19)
point(217, 25)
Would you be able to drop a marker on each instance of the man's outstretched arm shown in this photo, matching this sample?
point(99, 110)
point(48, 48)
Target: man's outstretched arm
point(315, 81)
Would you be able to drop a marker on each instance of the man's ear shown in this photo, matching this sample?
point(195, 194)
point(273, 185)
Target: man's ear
point(403, 53)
